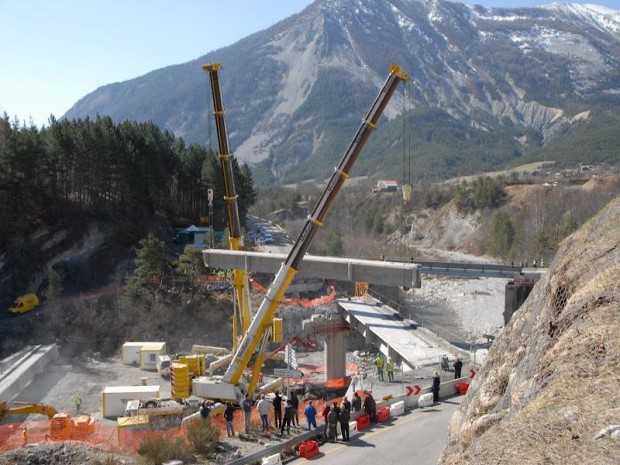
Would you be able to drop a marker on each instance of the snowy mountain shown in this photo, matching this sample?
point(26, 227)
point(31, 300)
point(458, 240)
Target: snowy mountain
point(510, 82)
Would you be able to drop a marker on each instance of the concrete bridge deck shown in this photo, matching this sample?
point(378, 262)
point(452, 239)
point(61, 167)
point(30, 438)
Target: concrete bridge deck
point(394, 336)
point(340, 269)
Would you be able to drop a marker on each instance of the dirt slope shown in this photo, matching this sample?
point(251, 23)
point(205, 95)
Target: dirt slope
point(550, 387)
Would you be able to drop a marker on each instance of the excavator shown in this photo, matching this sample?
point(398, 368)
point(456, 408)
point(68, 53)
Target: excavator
point(231, 387)
point(27, 408)
point(62, 427)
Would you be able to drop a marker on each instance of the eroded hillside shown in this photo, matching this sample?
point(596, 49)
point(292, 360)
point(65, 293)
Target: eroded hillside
point(549, 390)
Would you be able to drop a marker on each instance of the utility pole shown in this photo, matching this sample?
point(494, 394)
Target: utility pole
point(212, 233)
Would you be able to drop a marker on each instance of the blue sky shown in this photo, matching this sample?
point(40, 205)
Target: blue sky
point(52, 53)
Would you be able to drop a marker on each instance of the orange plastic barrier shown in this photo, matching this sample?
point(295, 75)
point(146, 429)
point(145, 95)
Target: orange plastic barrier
point(309, 449)
point(383, 414)
point(363, 422)
point(462, 387)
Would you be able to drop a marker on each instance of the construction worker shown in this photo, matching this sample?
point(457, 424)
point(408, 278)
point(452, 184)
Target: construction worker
point(379, 364)
point(25, 436)
point(389, 367)
point(247, 411)
point(542, 262)
point(78, 404)
point(534, 263)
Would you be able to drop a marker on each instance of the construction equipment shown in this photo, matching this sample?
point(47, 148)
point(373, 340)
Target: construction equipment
point(23, 304)
point(26, 408)
point(256, 335)
point(240, 278)
point(62, 427)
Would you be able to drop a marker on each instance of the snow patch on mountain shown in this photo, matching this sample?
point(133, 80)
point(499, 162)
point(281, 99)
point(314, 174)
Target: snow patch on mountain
point(605, 18)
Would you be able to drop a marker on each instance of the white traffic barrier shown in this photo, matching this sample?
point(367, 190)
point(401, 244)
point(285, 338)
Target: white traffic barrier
point(425, 400)
point(272, 460)
point(397, 408)
point(353, 429)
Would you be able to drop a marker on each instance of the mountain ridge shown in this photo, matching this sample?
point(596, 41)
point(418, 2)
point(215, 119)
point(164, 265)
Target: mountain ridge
point(295, 91)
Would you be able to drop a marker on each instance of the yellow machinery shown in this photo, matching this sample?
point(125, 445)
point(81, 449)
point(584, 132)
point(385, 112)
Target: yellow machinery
point(255, 338)
point(26, 408)
point(62, 427)
point(241, 321)
point(24, 304)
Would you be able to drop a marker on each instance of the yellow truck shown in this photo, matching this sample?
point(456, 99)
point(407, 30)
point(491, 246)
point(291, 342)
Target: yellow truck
point(24, 304)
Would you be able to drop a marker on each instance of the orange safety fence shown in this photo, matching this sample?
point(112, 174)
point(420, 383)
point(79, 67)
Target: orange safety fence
point(108, 436)
point(300, 302)
point(260, 288)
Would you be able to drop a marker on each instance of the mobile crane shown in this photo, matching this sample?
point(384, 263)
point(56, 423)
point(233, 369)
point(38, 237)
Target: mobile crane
point(240, 278)
point(231, 386)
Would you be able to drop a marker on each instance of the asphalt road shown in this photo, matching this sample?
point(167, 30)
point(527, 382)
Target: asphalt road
point(417, 437)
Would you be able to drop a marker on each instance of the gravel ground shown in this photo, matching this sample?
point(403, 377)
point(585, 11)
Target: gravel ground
point(477, 303)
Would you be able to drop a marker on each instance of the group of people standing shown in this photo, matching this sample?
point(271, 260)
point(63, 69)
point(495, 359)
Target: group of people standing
point(286, 413)
point(264, 405)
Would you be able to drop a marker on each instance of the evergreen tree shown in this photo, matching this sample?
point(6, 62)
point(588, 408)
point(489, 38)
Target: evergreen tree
point(151, 263)
point(54, 285)
point(502, 238)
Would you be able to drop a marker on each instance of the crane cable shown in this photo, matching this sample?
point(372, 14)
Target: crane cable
point(406, 188)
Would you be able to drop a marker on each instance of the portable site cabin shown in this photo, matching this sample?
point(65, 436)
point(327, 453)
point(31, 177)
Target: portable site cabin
point(115, 398)
point(150, 354)
point(131, 352)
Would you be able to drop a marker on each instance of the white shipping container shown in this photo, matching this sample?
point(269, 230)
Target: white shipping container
point(130, 351)
point(115, 398)
point(149, 355)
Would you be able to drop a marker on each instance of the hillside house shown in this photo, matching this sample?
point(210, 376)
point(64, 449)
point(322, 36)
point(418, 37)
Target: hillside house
point(386, 185)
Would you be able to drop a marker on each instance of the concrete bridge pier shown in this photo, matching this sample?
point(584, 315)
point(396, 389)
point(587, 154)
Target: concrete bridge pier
point(335, 355)
point(334, 331)
point(517, 291)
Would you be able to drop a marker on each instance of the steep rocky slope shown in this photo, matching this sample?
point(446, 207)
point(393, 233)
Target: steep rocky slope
point(549, 389)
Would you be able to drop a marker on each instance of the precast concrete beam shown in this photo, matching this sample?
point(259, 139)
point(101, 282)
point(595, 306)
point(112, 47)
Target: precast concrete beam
point(393, 335)
point(341, 269)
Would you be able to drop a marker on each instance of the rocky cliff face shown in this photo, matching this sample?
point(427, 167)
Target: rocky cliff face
point(549, 391)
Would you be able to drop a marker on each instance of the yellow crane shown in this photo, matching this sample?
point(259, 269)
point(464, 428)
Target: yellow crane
point(242, 313)
point(253, 341)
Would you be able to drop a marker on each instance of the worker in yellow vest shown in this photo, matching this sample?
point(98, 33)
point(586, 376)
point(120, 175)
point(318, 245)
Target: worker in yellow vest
point(389, 367)
point(379, 364)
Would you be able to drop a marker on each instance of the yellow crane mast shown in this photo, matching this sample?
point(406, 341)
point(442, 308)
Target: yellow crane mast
point(262, 321)
point(242, 319)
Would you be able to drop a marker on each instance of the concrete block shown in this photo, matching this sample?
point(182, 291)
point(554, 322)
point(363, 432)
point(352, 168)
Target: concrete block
point(274, 459)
